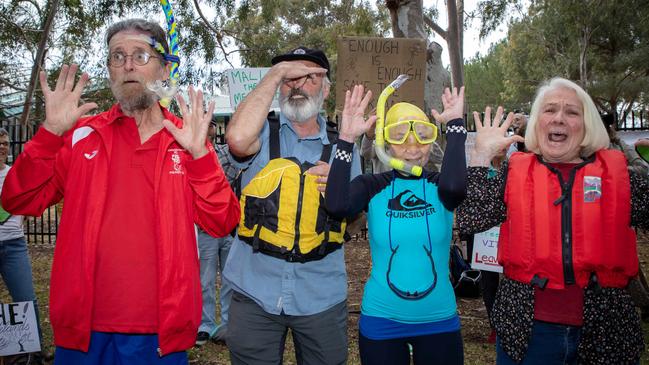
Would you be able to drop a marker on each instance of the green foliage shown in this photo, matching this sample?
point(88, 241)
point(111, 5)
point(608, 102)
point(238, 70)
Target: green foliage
point(484, 80)
point(264, 28)
point(598, 43)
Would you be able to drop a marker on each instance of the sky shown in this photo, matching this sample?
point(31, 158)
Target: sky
point(472, 43)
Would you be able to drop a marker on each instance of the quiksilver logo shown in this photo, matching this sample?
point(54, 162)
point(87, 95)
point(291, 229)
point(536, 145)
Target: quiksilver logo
point(408, 205)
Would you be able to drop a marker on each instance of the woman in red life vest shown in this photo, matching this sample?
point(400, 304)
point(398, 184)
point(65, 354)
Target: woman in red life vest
point(566, 243)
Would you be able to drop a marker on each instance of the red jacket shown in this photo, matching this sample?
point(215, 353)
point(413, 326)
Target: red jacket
point(75, 167)
point(566, 238)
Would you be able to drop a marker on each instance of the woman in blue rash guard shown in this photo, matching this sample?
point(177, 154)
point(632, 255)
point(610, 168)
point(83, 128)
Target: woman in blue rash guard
point(408, 299)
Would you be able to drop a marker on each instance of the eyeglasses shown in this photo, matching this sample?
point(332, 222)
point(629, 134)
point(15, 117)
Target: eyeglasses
point(298, 82)
point(397, 133)
point(139, 57)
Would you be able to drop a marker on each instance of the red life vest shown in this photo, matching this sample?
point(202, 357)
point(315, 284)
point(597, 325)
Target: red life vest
point(565, 238)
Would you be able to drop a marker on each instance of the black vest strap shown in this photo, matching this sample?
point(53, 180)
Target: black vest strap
point(273, 141)
point(274, 144)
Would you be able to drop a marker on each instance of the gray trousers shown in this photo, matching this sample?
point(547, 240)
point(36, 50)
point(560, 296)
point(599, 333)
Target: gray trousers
point(256, 337)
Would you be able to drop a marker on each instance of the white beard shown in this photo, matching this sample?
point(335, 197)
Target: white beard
point(301, 110)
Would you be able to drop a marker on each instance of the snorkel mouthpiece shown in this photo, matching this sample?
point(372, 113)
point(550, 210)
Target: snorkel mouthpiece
point(164, 89)
point(379, 144)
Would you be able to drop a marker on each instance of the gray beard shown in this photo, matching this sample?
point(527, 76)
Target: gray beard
point(133, 103)
point(301, 110)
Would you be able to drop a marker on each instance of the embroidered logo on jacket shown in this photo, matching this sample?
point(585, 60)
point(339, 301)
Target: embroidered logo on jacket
point(91, 155)
point(175, 158)
point(592, 188)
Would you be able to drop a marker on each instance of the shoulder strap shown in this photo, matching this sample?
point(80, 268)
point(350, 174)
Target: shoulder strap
point(273, 140)
point(332, 136)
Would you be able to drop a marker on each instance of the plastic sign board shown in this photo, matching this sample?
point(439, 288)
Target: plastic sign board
point(241, 81)
point(18, 329)
point(485, 250)
point(376, 62)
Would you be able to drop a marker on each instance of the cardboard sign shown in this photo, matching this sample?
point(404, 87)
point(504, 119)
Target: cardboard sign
point(485, 250)
point(376, 62)
point(18, 329)
point(241, 81)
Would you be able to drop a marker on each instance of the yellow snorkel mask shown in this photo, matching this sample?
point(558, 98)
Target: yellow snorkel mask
point(397, 131)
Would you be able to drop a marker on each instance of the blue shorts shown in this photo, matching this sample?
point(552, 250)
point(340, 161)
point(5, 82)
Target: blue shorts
point(119, 349)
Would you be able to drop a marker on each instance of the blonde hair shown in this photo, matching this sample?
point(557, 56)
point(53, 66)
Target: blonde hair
point(595, 135)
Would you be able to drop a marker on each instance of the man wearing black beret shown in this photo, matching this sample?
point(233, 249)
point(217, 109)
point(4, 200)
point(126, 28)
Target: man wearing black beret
point(274, 289)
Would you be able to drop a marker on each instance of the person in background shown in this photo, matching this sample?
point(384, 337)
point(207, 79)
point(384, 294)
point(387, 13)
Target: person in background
point(213, 253)
point(568, 259)
point(518, 128)
point(15, 265)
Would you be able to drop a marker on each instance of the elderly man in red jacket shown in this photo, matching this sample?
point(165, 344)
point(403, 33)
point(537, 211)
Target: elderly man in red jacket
point(125, 280)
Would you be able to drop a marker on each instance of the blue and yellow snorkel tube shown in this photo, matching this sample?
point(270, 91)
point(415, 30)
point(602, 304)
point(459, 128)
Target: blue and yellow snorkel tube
point(379, 143)
point(167, 89)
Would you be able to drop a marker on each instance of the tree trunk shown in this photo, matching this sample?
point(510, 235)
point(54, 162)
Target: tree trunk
point(408, 22)
point(583, 49)
point(454, 45)
point(48, 22)
point(460, 30)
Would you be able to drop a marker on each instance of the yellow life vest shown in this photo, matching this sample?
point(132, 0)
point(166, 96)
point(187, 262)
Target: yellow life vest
point(283, 214)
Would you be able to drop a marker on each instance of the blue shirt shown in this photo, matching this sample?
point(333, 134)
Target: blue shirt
point(279, 286)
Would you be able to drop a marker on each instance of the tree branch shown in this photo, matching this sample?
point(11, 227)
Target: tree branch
point(48, 22)
point(11, 85)
point(219, 36)
point(436, 28)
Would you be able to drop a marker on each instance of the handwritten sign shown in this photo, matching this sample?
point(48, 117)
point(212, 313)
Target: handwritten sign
point(241, 81)
point(485, 250)
point(376, 62)
point(18, 329)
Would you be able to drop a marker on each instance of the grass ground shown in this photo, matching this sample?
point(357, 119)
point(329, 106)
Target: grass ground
point(475, 327)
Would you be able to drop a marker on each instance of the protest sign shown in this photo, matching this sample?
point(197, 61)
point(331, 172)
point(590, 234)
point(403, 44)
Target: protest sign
point(376, 62)
point(241, 81)
point(18, 329)
point(485, 250)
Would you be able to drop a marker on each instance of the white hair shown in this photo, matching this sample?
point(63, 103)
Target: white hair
point(595, 136)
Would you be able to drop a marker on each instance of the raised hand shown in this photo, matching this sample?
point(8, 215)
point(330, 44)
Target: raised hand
point(453, 103)
point(296, 70)
point(353, 122)
point(642, 142)
point(62, 107)
point(491, 136)
point(193, 133)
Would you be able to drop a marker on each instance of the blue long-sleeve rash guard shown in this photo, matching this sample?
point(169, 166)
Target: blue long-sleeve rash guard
point(407, 216)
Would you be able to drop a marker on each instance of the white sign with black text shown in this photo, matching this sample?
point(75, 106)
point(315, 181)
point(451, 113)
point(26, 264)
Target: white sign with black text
point(18, 329)
point(485, 250)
